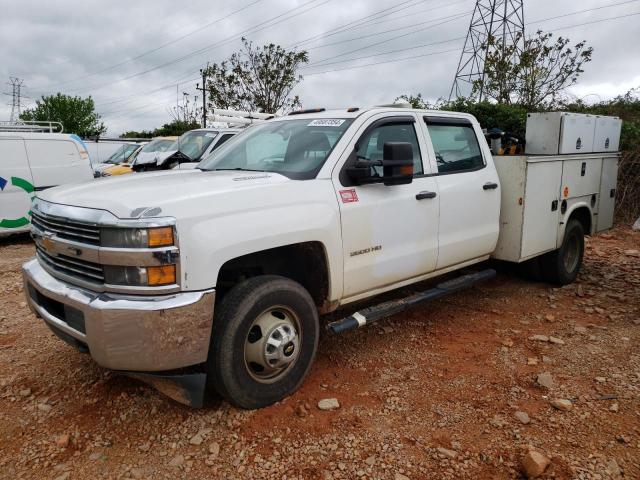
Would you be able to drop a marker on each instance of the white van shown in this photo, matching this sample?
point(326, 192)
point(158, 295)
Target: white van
point(30, 162)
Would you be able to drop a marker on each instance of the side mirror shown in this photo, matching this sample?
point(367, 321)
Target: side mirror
point(397, 163)
point(397, 166)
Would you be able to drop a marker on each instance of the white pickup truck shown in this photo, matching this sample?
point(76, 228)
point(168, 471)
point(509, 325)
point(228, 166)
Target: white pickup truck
point(213, 279)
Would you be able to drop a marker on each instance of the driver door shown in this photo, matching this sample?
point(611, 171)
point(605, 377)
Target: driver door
point(389, 233)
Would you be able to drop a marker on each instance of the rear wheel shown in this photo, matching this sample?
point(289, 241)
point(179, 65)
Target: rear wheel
point(264, 340)
point(562, 265)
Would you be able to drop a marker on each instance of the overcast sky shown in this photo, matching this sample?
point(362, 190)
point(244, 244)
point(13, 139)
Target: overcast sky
point(130, 55)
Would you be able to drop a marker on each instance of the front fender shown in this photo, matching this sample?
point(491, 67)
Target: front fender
point(208, 242)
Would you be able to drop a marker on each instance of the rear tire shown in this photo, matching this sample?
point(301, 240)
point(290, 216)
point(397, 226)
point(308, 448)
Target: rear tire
point(264, 340)
point(562, 265)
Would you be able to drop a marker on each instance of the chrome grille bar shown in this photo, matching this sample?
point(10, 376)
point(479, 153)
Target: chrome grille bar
point(66, 229)
point(92, 272)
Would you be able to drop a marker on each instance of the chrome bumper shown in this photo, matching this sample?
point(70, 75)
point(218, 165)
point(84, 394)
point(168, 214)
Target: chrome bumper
point(132, 333)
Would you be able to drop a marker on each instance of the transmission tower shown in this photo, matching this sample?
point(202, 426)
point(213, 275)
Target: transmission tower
point(16, 84)
point(502, 20)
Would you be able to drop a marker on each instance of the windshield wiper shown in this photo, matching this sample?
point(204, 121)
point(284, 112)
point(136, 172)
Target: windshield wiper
point(240, 169)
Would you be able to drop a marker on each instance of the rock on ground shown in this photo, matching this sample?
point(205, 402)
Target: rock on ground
point(545, 379)
point(534, 464)
point(561, 404)
point(329, 404)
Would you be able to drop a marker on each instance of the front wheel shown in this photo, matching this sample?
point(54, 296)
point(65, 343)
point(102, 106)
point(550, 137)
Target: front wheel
point(562, 265)
point(264, 340)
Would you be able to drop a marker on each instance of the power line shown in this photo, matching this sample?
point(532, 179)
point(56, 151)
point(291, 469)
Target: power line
point(585, 11)
point(449, 19)
point(458, 49)
point(253, 29)
point(153, 50)
point(404, 27)
point(382, 62)
point(354, 23)
point(179, 81)
point(435, 43)
point(375, 14)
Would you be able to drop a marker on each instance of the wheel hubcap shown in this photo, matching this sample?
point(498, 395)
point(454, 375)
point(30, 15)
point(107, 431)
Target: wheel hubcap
point(272, 345)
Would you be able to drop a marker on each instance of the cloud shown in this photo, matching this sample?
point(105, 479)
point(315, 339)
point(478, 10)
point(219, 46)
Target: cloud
point(57, 46)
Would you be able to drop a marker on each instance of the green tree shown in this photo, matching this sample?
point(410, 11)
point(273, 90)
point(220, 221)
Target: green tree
point(416, 101)
point(256, 78)
point(537, 76)
point(174, 128)
point(76, 114)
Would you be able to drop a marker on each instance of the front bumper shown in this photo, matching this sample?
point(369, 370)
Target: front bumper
point(125, 332)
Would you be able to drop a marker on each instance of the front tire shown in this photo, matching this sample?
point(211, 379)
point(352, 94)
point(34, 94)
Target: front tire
point(264, 340)
point(562, 265)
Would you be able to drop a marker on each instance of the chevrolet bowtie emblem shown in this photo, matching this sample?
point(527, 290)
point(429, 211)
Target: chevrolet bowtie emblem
point(47, 241)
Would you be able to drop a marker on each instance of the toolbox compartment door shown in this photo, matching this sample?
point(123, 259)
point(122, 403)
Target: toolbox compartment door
point(581, 177)
point(607, 195)
point(541, 209)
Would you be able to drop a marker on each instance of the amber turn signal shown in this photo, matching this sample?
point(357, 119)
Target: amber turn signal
point(164, 275)
point(160, 237)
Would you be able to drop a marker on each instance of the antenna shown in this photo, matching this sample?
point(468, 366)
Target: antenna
point(16, 84)
point(502, 20)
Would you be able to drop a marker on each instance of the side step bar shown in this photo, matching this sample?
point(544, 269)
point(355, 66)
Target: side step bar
point(376, 312)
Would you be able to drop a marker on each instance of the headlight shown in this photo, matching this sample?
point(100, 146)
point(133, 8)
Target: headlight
point(140, 276)
point(137, 237)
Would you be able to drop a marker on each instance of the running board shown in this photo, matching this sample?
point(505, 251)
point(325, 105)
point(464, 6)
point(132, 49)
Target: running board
point(376, 312)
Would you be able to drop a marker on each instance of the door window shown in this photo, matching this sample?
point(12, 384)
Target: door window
point(456, 147)
point(371, 144)
point(222, 140)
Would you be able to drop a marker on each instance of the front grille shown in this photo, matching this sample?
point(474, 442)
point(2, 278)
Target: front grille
point(68, 229)
point(87, 271)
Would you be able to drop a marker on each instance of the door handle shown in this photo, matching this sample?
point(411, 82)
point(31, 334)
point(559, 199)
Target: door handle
point(423, 195)
point(490, 186)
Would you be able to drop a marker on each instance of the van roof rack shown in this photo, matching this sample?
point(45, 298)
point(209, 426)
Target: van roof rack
point(34, 126)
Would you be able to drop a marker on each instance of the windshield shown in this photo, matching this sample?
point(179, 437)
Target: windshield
point(158, 145)
point(195, 143)
point(294, 148)
point(122, 154)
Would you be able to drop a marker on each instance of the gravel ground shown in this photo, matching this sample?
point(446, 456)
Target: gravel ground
point(464, 387)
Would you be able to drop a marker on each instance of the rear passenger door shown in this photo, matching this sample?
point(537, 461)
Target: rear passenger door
point(468, 187)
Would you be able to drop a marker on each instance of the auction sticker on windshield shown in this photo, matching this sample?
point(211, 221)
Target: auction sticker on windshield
point(326, 122)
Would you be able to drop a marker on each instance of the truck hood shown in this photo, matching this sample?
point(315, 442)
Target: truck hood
point(126, 195)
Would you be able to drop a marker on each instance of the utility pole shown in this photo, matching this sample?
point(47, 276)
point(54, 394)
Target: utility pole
point(497, 19)
point(16, 84)
point(203, 72)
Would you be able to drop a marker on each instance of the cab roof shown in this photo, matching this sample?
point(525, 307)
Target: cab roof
point(354, 112)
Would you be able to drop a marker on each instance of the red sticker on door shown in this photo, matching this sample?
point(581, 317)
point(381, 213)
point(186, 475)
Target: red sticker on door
point(349, 196)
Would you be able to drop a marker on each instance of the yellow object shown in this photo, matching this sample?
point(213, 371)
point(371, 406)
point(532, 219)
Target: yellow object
point(119, 169)
point(160, 237)
point(125, 167)
point(164, 275)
